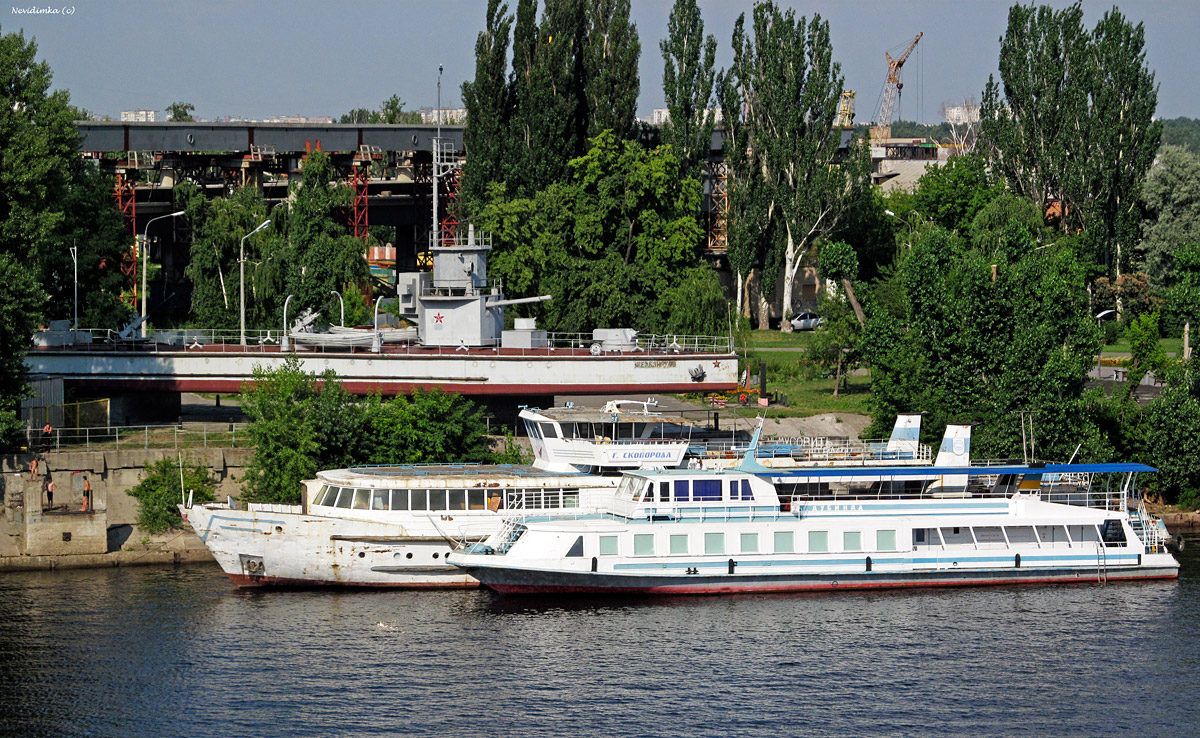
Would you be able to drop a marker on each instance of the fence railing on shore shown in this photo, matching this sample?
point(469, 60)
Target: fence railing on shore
point(178, 435)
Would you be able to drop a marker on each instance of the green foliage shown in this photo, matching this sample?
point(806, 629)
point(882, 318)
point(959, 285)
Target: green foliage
point(991, 224)
point(838, 261)
point(1183, 132)
point(952, 195)
point(610, 62)
point(486, 100)
point(1075, 124)
point(93, 225)
point(1146, 353)
point(21, 305)
point(1183, 296)
point(688, 79)
point(782, 92)
point(324, 257)
point(180, 112)
point(37, 143)
point(1172, 199)
point(617, 245)
point(1171, 429)
point(391, 111)
point(834, 347)
point(305, 422)
point(159, 492)
point(971, 348)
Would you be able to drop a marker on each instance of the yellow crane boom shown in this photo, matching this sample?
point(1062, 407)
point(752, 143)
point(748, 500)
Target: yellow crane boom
point(891, 92)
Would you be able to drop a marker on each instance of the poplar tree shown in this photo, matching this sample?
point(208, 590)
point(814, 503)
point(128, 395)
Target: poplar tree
point(486, 100)
point(688, 81)
point(791, 86)
point(611, 54)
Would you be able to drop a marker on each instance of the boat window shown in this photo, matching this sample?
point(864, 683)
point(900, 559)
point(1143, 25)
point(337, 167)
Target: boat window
point(379, 499)
point(885, 540)
point(749, 543)
point(345, 497)
point(437, 499)
point(664, 491)
point(1020, 534)
point(919, 535)
point(419, 499)
point(681, 490)
point(706, 490)
point(327, 496)
point(570, 498)
point(679, 543)
point(852, 540)
point(399, 499)
point(628, 485)
point(608, 545)
point(714, 543)
point(549, 431)
point(643, 544)
point(818, 541)
point(458, 499)
point(476, 499)
point(362, 499)
point(746, 493)
point(957, 536)
point(532, 430)
point(1052, 535)
point(785, 541)
point(576, 548)
point(1112, 533)
point(648, 492)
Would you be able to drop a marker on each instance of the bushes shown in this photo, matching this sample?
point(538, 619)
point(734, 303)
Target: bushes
point(159, 492)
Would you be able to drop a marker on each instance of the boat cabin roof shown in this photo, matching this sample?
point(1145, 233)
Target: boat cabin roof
point(390, 475)
point(597, 415)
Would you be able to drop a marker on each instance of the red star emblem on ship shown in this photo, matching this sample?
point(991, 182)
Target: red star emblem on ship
point(716, 365)
point(438, 318)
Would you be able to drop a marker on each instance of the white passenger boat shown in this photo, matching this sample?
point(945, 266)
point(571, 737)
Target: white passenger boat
point(698, 531)
point(394, 526)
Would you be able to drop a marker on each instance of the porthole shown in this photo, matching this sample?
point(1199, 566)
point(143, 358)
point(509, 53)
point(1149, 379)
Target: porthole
point(408, 555)
point(362, 554)
point(435, 555)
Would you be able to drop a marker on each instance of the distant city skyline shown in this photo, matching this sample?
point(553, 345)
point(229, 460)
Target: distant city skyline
point(288, 58)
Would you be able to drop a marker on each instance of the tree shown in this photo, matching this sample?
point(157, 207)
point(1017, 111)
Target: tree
point(38, 141)
point(429, 427)
point(610, 61)
point(1075, 128)
point(159, 492)
point(953, 194)
point(286, 450)
point(618, 245)
point(688, 80)
point(1172, 198)
point(326, 258)
point(486, 100)
point(1031, 124)
point(834, 344)
point(791, 87)
point(1172, 427)
point(1182, 132)
point(21, 304)
point(1183, 296)
point(180, 112)
point(93, 226)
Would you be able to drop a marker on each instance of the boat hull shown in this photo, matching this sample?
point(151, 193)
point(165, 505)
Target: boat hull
point(516, 581)
point(274, 549)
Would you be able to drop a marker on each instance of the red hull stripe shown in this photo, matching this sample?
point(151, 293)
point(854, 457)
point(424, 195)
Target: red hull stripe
point(407, 387)
point(243, 580)
point(816, 587)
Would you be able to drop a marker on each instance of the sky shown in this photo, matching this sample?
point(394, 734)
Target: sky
point(260, 58)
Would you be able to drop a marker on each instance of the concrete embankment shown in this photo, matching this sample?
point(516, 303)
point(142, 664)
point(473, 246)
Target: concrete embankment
point(40, 530)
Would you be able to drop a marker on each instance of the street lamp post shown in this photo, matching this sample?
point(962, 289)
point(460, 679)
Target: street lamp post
point(242, 276)
point(342, 303)
point(75, 265)
point(284, 344)
point(145, 255)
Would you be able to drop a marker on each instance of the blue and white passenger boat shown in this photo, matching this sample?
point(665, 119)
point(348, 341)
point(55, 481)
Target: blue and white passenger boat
point(704, 531)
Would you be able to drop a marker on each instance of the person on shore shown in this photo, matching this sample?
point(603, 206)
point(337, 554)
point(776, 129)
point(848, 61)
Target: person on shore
point(33, 469)
point(87, 495)
point(50, 487)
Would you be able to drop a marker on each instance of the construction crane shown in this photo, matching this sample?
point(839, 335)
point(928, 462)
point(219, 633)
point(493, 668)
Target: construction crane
point(845, 110)
point(891, 93)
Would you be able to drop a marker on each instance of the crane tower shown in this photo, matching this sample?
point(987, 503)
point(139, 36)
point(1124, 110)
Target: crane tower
point(891, 92)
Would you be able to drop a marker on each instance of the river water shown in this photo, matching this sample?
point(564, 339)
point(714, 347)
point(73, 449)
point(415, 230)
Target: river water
point(175, 652)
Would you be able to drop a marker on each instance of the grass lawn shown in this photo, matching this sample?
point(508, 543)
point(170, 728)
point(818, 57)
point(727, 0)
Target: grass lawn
point(1173, 347)
point(775, 339)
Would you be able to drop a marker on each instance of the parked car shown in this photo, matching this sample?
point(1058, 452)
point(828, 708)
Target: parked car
point(805, 321)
